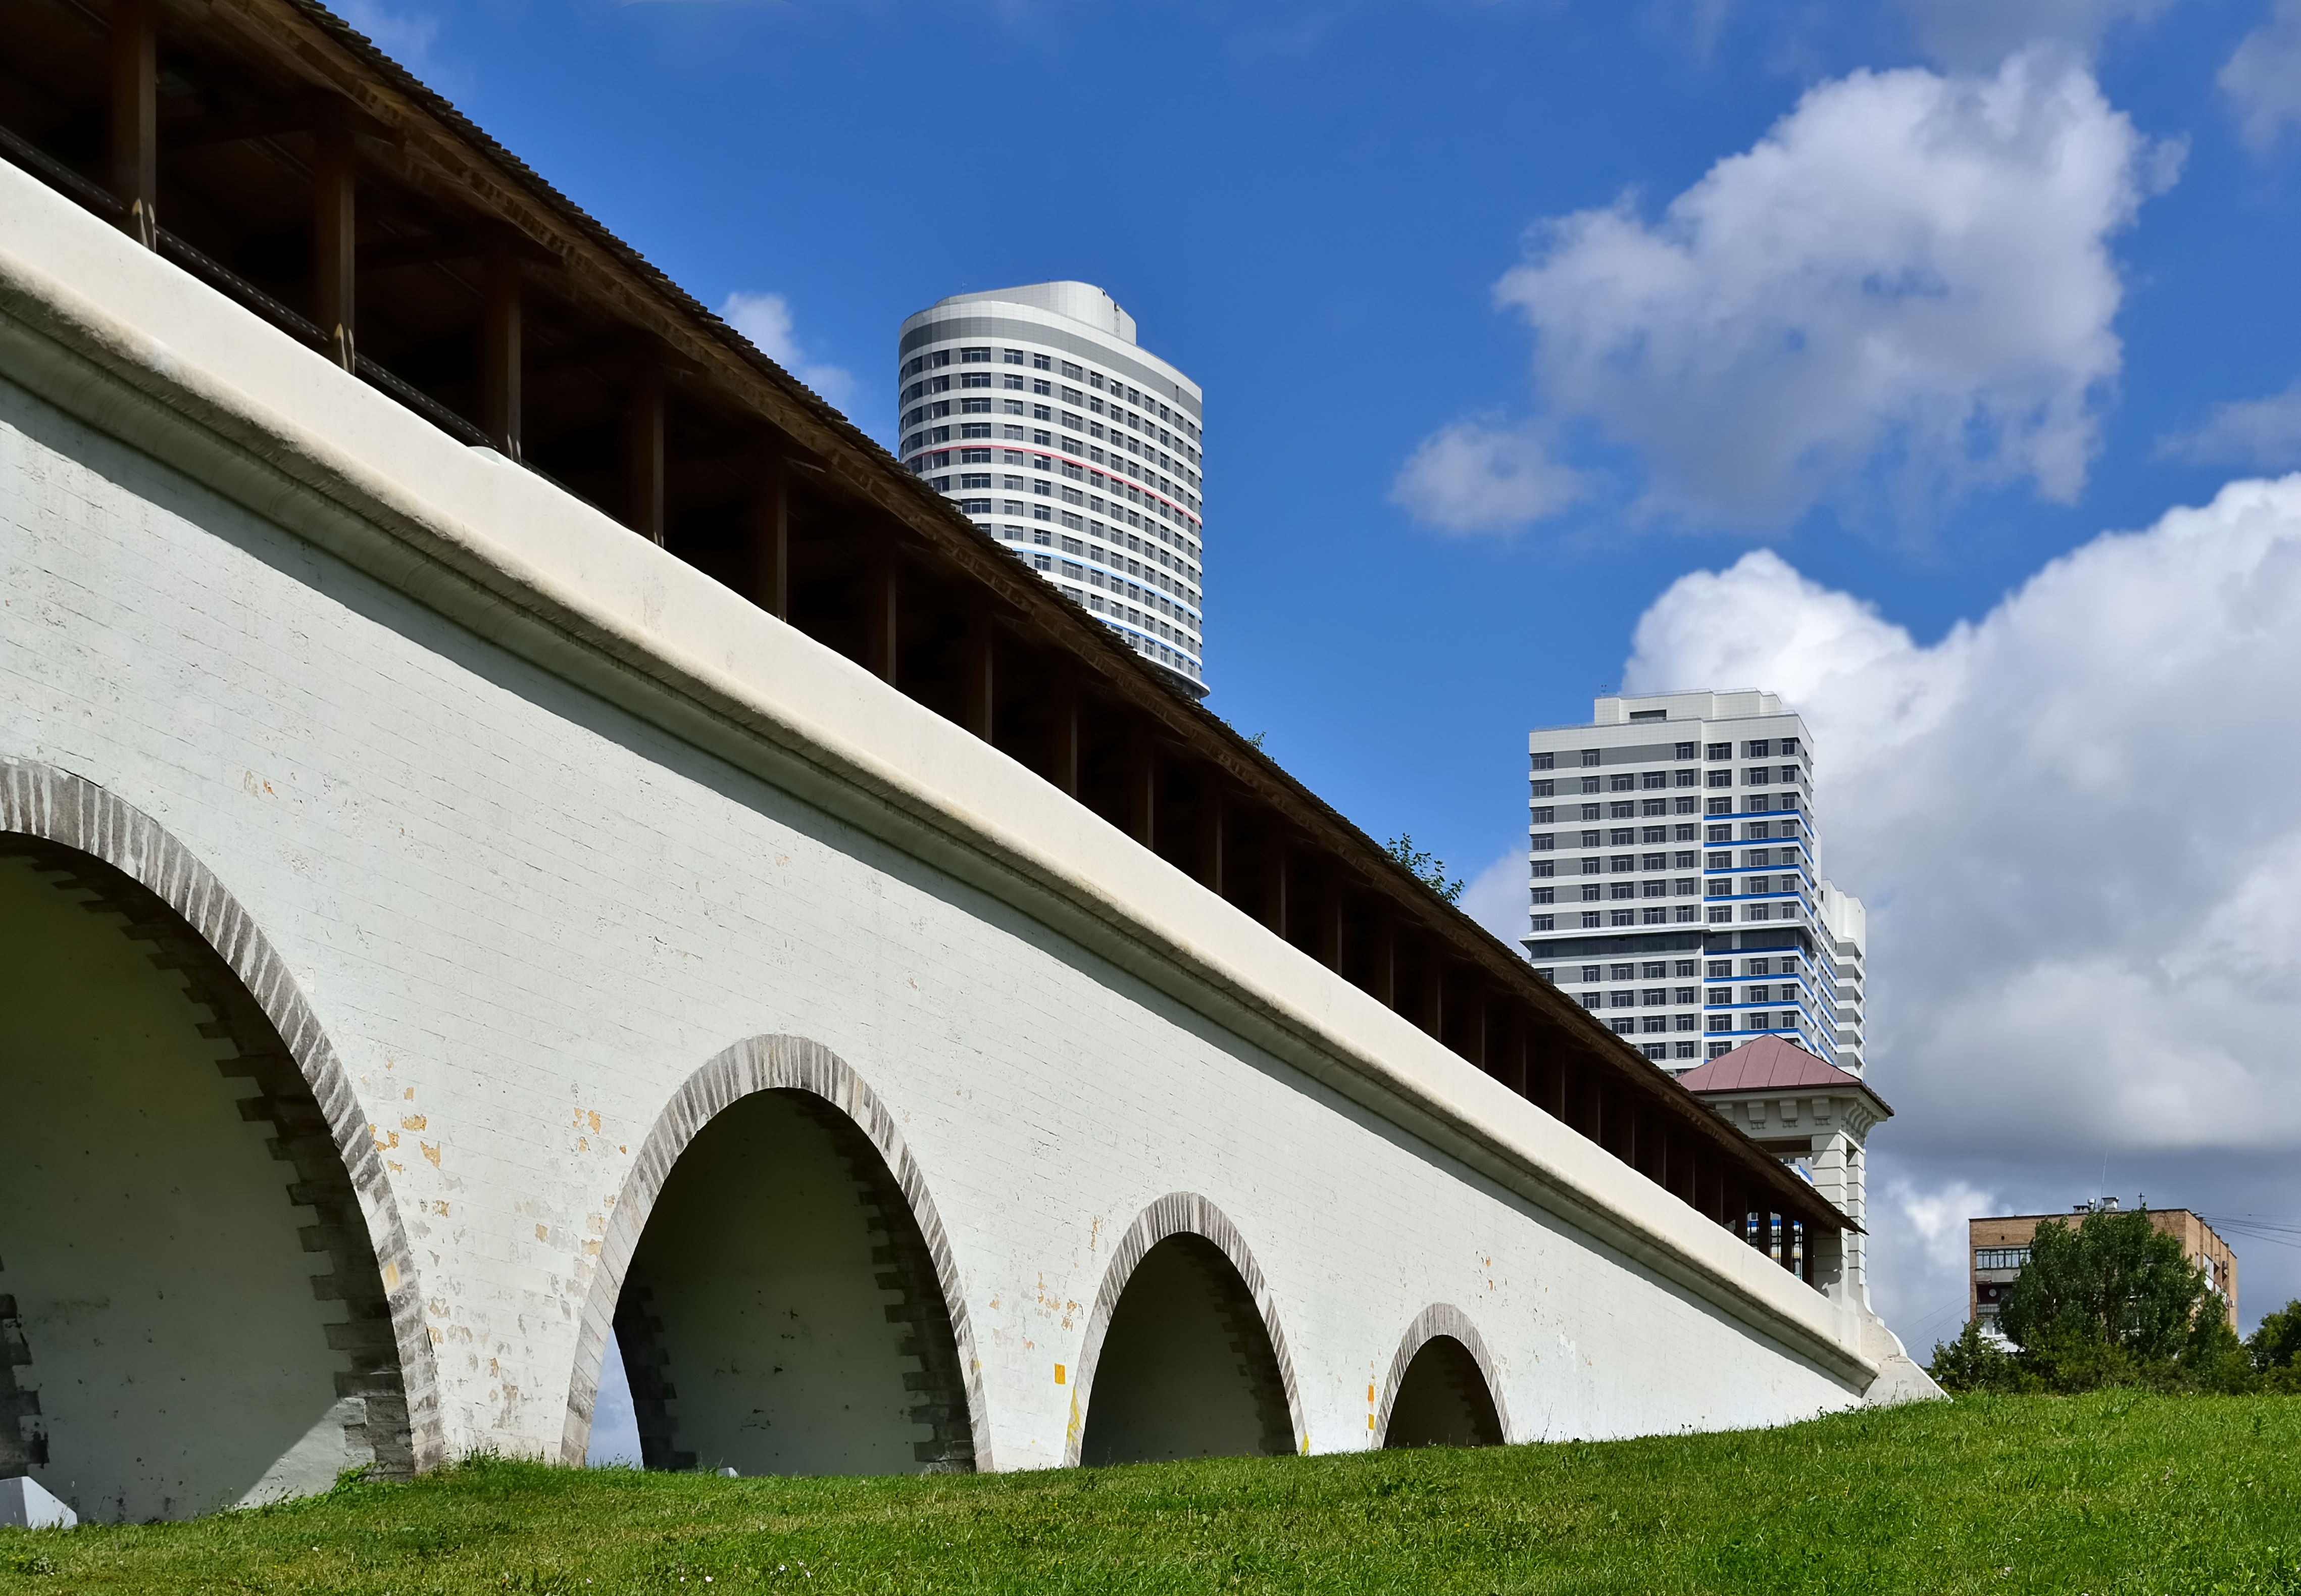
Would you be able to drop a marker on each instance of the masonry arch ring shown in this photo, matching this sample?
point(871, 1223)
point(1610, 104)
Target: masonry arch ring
point(1442, 1349)
point(807, 1100)
point(1185, 1220)
point(328, 1316)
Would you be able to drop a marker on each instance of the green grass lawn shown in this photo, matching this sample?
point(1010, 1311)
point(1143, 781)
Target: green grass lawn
point(2155, 1496)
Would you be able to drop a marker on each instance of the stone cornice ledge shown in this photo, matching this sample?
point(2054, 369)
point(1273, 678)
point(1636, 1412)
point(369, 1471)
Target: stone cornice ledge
point(126, 342)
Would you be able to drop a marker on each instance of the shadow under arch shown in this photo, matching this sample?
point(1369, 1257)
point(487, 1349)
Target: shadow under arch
point(147, 1170)
point(790, 1085)
point(1190, 1246)
point(1442, 1389)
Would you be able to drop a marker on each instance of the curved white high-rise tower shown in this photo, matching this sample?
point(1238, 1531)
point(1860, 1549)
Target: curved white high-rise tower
point(1037, 411)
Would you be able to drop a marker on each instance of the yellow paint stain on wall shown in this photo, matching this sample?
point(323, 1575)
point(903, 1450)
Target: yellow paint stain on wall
point(542, 1233)
point(390, 1274)
point(430, 1152)
point(414, 1122)
point(1058, 1374)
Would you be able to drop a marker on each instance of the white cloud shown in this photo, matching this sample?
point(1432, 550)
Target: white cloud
point(2260, 434)
point(765, 319)
point(2071, 821)
point(405, 36)
point(2263, 79)
point(1982, 32)
point(1499, 897)
point(1472, 477)
point(1909, 267)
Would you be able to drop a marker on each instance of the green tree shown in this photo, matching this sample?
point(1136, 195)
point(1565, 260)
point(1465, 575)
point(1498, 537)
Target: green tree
point(1428, 868)
point(2275, 1348)
point(2109, 1299)
point(1975, 1362)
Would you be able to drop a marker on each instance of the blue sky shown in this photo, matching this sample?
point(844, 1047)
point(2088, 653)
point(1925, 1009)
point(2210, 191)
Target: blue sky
point(1497, 355)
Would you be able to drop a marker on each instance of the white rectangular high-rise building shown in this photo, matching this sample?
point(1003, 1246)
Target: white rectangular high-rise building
point(1676, 887)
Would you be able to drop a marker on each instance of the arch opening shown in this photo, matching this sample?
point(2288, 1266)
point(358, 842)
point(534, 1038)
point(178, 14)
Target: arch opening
point(782, 1313)
point(1442, 1400)
point(1186, 1368)
point(192, 1314)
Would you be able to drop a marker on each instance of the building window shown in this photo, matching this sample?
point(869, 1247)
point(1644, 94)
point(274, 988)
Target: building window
point(1757, 830)
point(2001, 1257)
point(1759, 994)
point(1719, 1049)
point(1722, 834)
point(1654, 916)
point(1592, 784)
point(974, 357)
point(1619, 863)
point(1722, 778)
point(1621, 811)
point(975, 507)
point(1545, 923)
point(1721, 1022)
point(1718, 889)
point(1545, 841)
point(1759, 750)
point(1653, 1022)
point(1788, 747)
point(1718, 750)
point(1621, 890)
point(1621, 1000)
point(1684, 886)
point(1685, 805)
point(1621, 783)
point(1684, 751)
point(1654, 889)
point(1592, 921)
point(1546, 895)
point(1650, 779)
point(1622, 917)
point(1684, 914)
point(1685, 778)
point(1653, 861)
point(1685, 1022)
point(1651, 807)
point(1721, 917)
point(972, 480)
point(1044, 363)
point(1545, 817)
point(1591, 756)
point(1591, 894)
point(1655, 997)
point(1721, 806)
point(1545, 761)
point(1545, 789)
point(1590, 972)
point(1757, 911)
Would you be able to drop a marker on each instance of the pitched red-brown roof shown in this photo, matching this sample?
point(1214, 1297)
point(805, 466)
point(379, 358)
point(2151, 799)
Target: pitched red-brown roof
point(1766, 1065)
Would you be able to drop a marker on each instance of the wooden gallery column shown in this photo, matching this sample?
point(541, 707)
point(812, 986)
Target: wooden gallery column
point(770, 531)
point(643, 449)
point(135, 115)
point(335, 257)
point(500, 353)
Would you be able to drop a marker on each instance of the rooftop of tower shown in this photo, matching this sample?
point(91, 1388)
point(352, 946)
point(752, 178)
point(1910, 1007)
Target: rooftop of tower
point(1082, 301)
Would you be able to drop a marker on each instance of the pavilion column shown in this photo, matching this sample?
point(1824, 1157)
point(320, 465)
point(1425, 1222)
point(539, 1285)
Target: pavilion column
point(770, 533)
point(135, 116)
point(335, 260)
point(500, 354)
point(881, 618)
point(643, 456)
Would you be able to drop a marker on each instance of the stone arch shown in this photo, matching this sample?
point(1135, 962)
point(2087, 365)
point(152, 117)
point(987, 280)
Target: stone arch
point(1186, 1217)
point(915, 1248)
point(1443, 1331)
point(207, 955)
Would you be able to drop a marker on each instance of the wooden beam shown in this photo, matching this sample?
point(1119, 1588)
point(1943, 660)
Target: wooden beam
point(881, 618)
point(500, 355)
point(135, 117)
point(643, 462)
point(1385, 957)
point(770, 532)
point(1433, 1017)
point(981, 651)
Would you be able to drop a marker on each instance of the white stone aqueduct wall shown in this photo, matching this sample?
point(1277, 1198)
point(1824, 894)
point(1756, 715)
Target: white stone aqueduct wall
point(537, 847)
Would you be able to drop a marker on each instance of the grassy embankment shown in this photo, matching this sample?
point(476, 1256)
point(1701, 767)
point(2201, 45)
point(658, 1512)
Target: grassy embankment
point(2114, 1493)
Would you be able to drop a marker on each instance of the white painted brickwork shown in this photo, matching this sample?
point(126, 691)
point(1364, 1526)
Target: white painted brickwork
point(530, 877)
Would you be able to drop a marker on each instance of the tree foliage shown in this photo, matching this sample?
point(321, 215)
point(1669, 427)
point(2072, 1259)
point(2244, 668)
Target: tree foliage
point(2110, 1300)
point(1429, 868)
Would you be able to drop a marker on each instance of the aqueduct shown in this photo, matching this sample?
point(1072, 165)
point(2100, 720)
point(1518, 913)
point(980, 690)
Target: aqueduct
point(492, 869)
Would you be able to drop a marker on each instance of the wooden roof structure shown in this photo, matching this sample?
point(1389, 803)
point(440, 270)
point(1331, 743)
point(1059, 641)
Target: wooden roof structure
point(269, 149)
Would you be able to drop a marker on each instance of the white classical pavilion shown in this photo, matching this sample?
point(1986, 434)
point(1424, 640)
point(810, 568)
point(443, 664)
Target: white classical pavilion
point(1805, 1112)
